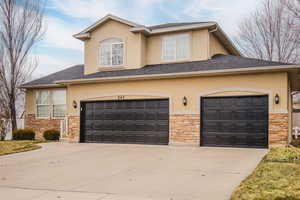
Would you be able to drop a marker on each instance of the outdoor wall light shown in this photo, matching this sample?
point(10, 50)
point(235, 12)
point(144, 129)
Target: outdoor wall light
point(184, 101)
point(74, 104)
point(277, 99)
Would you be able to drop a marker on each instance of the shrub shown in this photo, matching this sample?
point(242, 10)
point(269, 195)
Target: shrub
point(283, 154)
point(23, 134)
point(51, 134)
point(296, 143)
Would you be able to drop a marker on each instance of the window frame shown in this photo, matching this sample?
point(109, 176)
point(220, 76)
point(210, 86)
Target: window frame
point(175, 51)
point(111, 55)
point(36, 104)
point(50, 105)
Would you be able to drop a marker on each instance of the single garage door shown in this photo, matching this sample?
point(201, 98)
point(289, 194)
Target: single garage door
point(126, 121)
point(234, 121)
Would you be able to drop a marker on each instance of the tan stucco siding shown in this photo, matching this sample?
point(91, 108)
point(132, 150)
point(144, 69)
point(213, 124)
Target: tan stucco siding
point(198, 46)
point(192, 88)
point(113, 29)
point(30, 101)
point(215, 46)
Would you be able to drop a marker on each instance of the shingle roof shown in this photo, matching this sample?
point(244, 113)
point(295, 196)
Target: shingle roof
point(74, 72)
point(218, 62)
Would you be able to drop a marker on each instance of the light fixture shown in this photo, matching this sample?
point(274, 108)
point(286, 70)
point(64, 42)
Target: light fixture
point(277, 99)
point(184, 101)
point(74, 104)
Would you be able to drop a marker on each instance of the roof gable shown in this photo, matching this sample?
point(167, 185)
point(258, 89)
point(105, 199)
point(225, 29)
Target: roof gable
point(85, 32)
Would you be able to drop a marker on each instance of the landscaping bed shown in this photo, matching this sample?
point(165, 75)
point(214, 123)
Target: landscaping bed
point(16, 146)
point(277, 177)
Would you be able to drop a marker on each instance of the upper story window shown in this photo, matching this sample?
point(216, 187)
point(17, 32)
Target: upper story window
point(51, 103)
point(111, 52)
point(176, 47)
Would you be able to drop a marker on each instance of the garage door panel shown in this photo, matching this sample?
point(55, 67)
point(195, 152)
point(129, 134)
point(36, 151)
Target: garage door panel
point(129, 121)
point(234, 121)
point(225, 126)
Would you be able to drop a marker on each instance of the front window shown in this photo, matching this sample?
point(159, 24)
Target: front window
point(176, 47)
point(51, 103)
point(43, 103)
point(111, 52)
point(59, 103)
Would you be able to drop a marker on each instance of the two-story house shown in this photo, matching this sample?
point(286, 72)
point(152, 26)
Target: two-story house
point(176, 83)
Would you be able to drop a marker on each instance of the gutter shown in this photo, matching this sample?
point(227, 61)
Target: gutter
point(171, 29)
point(41, 86)
point(181, 74)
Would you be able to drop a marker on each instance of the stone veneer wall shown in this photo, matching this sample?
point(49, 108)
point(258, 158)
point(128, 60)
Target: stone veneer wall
point(278, 129)
point(74, 128)
point(39, 125)
point(185, 129)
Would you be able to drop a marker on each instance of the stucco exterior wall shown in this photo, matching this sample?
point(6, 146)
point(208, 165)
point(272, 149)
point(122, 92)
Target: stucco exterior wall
point(199, 46)
point(140, 50)
point(113, 29)
point(192, 88)
point(215, 46)
point(175, 90)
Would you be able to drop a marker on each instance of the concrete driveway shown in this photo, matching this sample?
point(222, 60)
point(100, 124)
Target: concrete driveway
point(125, 172)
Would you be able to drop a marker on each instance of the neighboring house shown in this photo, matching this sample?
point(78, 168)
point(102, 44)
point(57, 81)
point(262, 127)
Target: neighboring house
point(176, 83)
point(296, 114)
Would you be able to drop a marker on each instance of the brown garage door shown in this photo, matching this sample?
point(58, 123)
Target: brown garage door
point(234, 121)
point(126, 121)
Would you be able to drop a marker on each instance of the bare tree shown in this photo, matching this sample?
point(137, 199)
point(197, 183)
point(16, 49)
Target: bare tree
point(269, 33)
point(20, 29)
point(293, 6)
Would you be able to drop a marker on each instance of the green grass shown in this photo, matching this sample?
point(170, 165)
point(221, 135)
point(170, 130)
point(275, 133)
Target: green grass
point(277, 177)
point(16, 146)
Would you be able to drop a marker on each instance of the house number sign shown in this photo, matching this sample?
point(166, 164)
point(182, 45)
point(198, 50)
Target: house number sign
point(121, 97)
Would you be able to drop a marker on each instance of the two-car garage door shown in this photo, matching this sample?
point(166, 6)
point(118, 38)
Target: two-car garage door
point(225, 121)
point(126, 121)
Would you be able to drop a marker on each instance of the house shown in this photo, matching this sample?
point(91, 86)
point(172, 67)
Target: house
point(175, 83)
point(296, 112)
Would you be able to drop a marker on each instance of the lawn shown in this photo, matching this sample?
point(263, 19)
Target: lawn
point(15, 146)
point(277, 177)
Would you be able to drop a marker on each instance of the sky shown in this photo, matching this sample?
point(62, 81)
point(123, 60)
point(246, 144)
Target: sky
point(63, 18)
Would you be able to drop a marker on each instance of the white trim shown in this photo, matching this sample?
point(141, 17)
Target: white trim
point(260, 91)
point(174, 28)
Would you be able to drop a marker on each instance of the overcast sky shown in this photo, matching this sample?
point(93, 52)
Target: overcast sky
point(64, 18)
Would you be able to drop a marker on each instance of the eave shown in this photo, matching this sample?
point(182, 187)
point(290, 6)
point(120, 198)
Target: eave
point(293, 69)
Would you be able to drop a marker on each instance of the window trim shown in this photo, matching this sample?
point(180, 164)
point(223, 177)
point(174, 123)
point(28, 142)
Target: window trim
point(36, 105)
point(176, 59)
point(51, 105)
point(111, 56)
